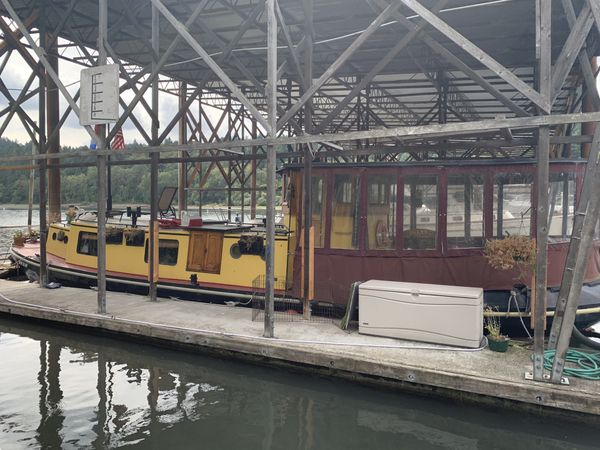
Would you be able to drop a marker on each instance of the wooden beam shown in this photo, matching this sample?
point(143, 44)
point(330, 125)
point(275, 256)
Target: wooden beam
point(460, 65)
point(333, 68)
point(479, 55)
point(571, 50)
point(210, 62)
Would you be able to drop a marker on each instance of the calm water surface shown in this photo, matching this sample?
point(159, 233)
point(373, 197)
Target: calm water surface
point(66, 389)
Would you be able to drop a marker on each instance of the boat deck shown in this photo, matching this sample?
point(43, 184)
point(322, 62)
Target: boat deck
point(481, 376)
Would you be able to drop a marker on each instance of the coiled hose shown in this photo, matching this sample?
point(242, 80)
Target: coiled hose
point(586, 365)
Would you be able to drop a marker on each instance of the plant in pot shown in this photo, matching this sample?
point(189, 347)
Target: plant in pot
point(33, 236)
point(497, 341)
point(516, 254)
point(18, 239)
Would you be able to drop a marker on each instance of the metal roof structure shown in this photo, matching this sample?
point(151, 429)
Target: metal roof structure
point(421, 81)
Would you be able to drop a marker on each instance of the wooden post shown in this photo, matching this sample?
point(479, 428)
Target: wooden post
point(30, 192)
point(271, 92)
point(253, 173)
point(101, 167)
point(307, 183)
point(53, 144)
point(182, 167)
point(153, 241)
point(43, 163)
point(544, 56)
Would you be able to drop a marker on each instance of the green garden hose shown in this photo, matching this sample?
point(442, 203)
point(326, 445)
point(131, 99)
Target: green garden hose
point(583, 364)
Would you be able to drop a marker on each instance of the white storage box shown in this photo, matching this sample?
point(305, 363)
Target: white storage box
point(449, 315)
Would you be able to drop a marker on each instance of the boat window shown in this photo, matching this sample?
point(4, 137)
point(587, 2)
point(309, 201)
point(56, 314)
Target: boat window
point(561, 205)
point(381, 212)
point(114, 236)
point(344, 217)
point(512, 204)
point(464, 226)
point(168, 250)
point(318, 202)
point(420, 212)
point(87, 244)
point(135, 238)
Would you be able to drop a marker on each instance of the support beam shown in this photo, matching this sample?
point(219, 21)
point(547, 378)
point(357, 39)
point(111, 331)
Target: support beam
point(271, 130)
point(235, 90)
point(42, 165)
point(406, 133)
point(182, 167)
point(53, 145)
point(480, 55)
point(308, 157)
point(101, 188)
point(544, 57)
point(153, 241)
point(571, 50)
point(584, 224)
point(458, 64)
point(161, 62)
point(376, 70)
point(339, 62)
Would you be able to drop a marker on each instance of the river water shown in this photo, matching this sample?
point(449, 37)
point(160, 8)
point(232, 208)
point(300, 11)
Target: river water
point(68, 389)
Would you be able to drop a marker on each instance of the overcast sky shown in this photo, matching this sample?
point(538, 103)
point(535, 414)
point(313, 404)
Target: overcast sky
point(17, 72)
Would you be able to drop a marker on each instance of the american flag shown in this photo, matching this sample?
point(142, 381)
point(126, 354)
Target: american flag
point(118, 143)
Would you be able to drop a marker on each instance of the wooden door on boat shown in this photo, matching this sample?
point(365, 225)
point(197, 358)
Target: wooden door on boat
point(204, 254)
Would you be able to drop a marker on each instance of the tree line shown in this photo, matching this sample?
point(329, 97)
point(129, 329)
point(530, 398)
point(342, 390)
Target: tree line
point(130, 184)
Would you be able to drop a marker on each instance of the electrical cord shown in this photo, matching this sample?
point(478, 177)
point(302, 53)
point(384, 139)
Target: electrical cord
point(513, 297)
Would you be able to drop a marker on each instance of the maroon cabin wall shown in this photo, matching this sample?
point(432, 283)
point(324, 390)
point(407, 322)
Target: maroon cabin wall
point(335, 273)
point(336, 270)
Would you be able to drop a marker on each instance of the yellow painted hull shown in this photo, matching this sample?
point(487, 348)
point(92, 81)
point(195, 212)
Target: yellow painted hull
point(237, 272)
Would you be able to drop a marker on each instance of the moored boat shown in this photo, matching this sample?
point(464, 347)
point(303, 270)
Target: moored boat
point(417, 223)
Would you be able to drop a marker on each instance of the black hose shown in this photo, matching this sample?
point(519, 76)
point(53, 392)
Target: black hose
point(581, 338)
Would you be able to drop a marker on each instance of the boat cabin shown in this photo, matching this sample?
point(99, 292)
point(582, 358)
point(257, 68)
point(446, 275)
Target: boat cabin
point(427, 222)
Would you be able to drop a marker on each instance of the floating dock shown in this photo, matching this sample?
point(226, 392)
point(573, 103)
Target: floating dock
point(481, 376)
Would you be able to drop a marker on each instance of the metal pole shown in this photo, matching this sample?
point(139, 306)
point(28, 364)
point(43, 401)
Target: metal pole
point(43, 162)
point(307, 207)
point(271, 92)
point(53, 145)
point(544, 56)
point(253, 173)
point(31, 183)
point(101, 167)
point(153, 237)
point(182, 167)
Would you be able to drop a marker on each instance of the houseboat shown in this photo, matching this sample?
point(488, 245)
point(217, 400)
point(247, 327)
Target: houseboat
point(424, 223)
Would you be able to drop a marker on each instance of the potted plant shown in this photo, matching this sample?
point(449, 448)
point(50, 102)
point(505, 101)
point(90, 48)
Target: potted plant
point(18, 239)
point(33, 236)
point(517, 254)
point(497, 341)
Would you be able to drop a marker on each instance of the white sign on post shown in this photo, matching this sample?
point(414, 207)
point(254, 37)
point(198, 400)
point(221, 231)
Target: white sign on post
point(99, 95)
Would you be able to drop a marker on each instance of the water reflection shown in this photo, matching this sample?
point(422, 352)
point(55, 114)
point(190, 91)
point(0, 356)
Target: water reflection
point(61, 389)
